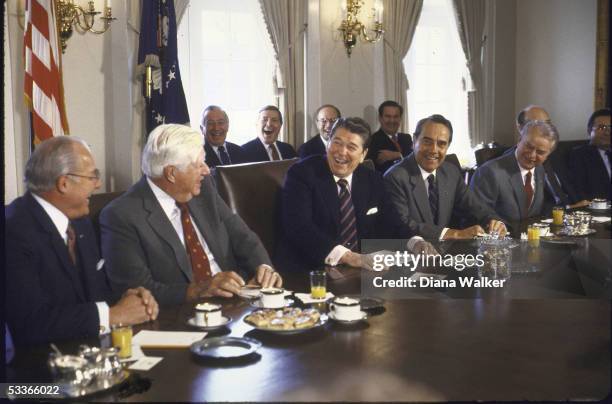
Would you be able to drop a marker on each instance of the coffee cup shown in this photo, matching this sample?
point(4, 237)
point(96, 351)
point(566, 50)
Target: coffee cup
point(207, 314)
point(272, 298)
point(71, 369)
point(346, 308)
point(598, 203)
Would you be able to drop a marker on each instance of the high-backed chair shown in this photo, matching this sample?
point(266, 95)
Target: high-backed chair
point(488, 153)
point(97, 202)
point(252, 191)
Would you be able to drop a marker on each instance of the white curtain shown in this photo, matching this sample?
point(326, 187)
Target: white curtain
point(286, 24)
point(471, 18)
point(400, 18)
point(11, 183)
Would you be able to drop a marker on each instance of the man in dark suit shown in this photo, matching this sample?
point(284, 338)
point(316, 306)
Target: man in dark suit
point(56, 284)
point(513, 185)
point(331, 202)
point(172, 232)
point(266, 147)
point(590, 164)
point(325, 117)
point(219, 152)
point(388, 146)
point(426, 191)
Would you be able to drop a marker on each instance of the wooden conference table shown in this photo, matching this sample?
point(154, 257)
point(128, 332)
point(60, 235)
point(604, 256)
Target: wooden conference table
point(433, 346)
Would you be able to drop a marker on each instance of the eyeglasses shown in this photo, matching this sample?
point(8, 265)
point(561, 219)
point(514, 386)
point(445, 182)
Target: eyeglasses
point(603, 128)
point(327, 121)
point(95, 177)
point(220, 122)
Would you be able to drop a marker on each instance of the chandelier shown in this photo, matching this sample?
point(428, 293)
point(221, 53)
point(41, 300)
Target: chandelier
point(352, 28)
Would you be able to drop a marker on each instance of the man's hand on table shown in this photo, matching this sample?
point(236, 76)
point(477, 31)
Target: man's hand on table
point(469, 232)
point(356, 260)
point(497, 227)
point(135, 306)
point(267, 277)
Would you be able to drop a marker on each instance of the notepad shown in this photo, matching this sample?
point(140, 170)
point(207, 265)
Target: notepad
point(167, 339)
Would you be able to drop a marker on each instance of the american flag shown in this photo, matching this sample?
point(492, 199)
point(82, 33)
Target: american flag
point(44, 90)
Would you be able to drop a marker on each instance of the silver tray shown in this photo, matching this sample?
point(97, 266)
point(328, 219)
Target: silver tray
point(96, 386)
point(563, 232)
point(225, 347)
point(322, 320)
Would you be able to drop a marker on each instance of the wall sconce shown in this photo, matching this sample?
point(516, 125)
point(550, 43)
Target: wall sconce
point(352, 28)
point(71, 15)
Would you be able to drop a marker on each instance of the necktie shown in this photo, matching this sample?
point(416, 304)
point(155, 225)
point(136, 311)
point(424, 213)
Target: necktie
point(71, 244)
point(200, 265)
point(275, 155)
point(225, 158)
point(396, 143)
point(528, 192)
point(433, 197)
point(348, 222)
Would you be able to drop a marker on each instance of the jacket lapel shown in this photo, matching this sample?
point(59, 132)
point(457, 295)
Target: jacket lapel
point(419, 193)
point(58, 244)
point(359, 195)
point(160, 224)
point(445, 202)
point(204, 220)
point(329, 192)
point(211, 156)
point(538, 196)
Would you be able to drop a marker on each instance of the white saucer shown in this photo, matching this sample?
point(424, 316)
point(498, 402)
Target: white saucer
point(257, 304)
point(224, 321)
point(364, 316)
point(547, 221)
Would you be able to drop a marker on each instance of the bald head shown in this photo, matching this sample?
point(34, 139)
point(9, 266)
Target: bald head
point(531, 113)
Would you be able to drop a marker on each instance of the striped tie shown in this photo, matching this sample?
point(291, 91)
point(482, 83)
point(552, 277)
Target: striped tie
point(348, 222)
point(433, 197)
point(225, 158)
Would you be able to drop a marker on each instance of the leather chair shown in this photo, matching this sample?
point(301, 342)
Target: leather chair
point(97, 202)
point(252, 191)
point(488, 153)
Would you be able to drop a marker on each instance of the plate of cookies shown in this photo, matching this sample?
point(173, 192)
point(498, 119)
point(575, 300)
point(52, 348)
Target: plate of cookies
point(289, 320)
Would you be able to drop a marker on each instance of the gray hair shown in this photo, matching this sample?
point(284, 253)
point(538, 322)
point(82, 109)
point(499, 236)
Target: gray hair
point(211, 108)
point(50, 160)
point(545, 129)
point(170, 144)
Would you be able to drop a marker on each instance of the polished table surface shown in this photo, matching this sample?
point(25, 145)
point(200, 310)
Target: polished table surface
point(431, 346)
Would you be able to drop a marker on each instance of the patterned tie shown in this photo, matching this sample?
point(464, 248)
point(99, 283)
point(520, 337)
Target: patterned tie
point(528, 192)
point(394, 139)
point(275, 155)
point(348, 222)
point(433, 197)
point(200, 265)
point(71, 244)
point(225, 158)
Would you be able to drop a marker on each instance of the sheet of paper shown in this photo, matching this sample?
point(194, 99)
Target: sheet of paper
point(306, 298)
point(167, 339)
point(136, 354)
point(601, 219)
point(145, 363)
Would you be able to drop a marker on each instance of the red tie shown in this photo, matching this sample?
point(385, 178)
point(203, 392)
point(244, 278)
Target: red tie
point(71, 244)
point(528, 192)
point(200, 265)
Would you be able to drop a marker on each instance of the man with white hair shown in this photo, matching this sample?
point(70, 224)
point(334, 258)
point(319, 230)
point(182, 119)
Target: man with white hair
point(56, 285)
point(173, 233)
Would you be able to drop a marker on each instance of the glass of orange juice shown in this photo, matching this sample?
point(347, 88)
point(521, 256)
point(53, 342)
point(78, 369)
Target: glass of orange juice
point(557, 214)
point(318, 284)
point(121, 335)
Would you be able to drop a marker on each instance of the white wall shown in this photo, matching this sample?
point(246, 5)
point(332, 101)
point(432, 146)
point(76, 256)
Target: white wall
point(555, 60)
point(353, 84)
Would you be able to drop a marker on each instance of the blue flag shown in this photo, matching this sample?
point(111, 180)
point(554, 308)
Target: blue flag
point(157, 48)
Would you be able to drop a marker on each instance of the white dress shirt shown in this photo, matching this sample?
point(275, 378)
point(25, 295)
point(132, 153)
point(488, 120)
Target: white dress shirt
point(60, 220)
point(269, 149)
point(216, 150)
point(173, 213)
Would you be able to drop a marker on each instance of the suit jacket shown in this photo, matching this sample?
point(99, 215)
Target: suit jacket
point(235, 152)
point(498, 183)
point(310, 212)
point(408, 195)
point(255, 151)
point(49, 298)
point(142, 248)
point(312, 147)
point(589, 175)
point(380, 141)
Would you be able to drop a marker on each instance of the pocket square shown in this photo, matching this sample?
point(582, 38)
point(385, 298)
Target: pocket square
point(372, 211)
point(100, 264)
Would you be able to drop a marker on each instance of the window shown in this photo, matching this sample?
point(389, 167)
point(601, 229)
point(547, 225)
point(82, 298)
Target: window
point(435, 65)
point(227, 59)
